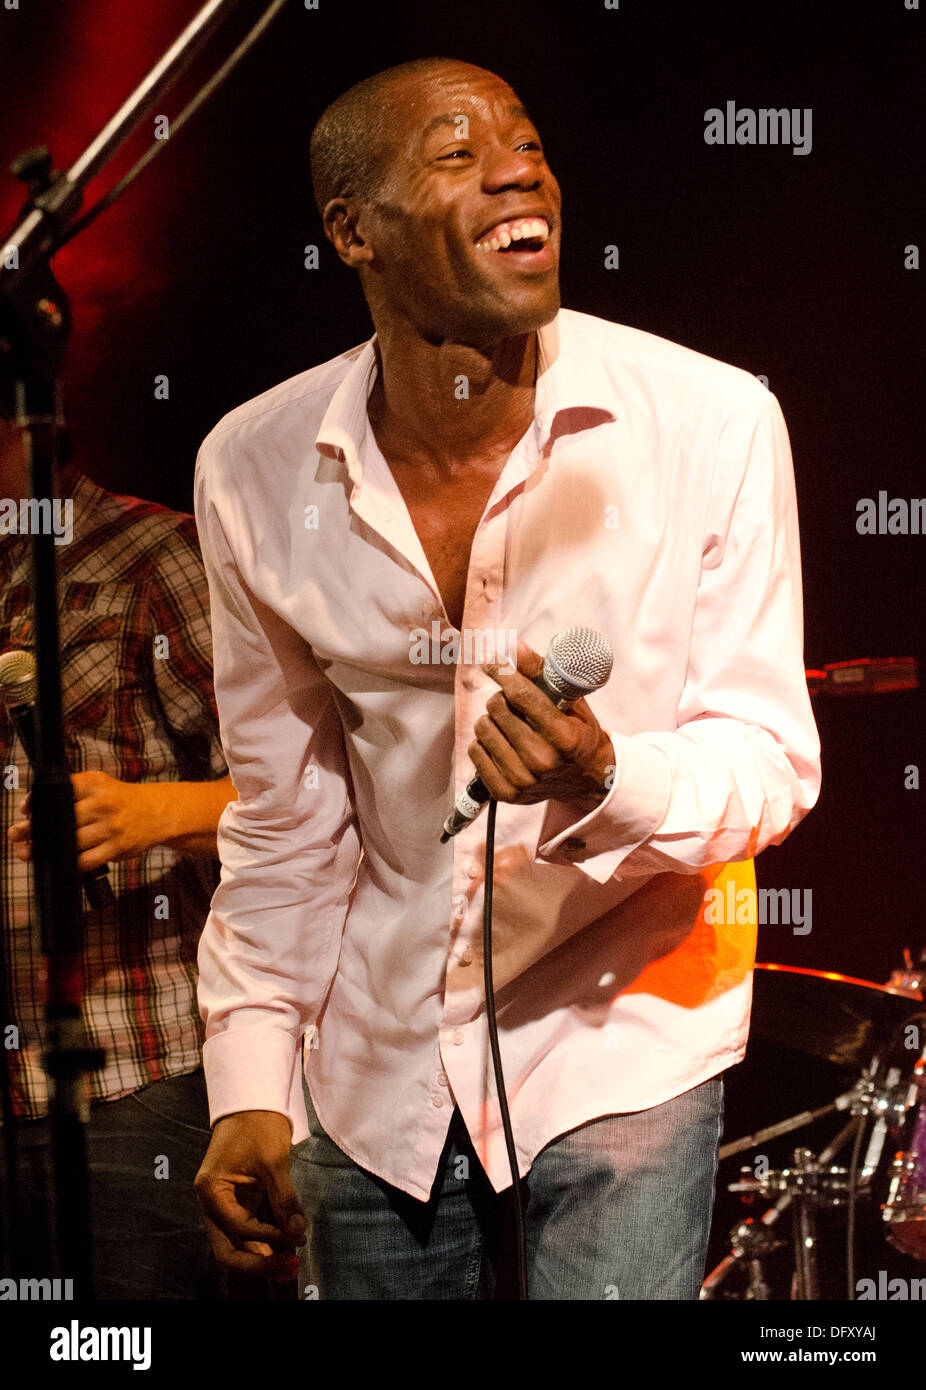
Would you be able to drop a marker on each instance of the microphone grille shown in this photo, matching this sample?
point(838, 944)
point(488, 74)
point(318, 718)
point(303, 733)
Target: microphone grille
point(18, 681)
point(578, 661)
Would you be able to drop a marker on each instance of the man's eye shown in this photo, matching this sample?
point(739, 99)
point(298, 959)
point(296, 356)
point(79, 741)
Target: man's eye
point(464, 152)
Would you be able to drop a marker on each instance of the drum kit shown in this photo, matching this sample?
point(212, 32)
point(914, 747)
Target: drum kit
point(880, 1030)
point(876, 1033)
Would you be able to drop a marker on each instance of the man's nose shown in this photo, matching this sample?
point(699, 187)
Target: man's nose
point(507, 168)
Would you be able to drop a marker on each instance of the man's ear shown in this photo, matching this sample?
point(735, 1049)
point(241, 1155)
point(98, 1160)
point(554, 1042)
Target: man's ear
point(341, 223)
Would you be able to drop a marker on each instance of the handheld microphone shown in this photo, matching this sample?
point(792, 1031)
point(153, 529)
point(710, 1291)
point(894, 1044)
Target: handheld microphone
point(18, 691)
point(578, 662)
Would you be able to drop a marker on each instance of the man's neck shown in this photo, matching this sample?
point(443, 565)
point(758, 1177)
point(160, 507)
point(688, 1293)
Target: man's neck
point(15, 480)
point(14, 473)
point(447, 404)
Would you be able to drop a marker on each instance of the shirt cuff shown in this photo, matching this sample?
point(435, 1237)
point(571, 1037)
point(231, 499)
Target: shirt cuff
point(632, 811)
point(257, 1068)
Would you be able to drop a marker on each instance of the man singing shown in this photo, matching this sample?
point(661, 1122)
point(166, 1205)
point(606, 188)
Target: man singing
point(486, 463)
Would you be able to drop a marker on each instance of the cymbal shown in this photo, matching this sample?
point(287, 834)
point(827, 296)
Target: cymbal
point(835, 1017)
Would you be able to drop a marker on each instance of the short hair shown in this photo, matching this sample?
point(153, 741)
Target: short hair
point(349, 141)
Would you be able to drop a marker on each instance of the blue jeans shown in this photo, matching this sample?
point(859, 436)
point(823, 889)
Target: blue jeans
point(147, 1234)
point(618, 1208)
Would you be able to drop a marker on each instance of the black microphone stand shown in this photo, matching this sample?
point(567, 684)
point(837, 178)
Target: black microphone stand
point(34, 326)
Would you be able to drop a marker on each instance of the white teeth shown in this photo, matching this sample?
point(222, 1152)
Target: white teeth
point(528, 228)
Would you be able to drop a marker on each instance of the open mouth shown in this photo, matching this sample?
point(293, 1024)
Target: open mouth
point(526, 237)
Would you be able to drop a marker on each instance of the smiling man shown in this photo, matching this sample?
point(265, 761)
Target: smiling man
point(486, 462)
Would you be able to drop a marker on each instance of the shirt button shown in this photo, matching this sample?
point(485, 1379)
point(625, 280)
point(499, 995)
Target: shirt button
point(466, 955)
point(473, 871)
point(572, 844)
point(442, 1078)
point(456, 1037)
point(437, 1102)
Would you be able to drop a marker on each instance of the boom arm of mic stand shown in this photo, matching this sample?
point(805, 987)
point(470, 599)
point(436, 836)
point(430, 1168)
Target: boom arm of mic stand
point(34, 327)
point(52, 209)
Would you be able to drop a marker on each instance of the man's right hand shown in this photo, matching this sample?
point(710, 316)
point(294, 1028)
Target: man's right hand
point(247, 1166)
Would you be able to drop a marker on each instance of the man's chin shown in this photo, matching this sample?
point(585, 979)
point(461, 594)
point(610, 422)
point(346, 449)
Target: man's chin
point(509, 320)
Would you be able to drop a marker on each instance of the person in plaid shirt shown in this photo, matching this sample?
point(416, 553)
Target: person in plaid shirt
point(150, 782)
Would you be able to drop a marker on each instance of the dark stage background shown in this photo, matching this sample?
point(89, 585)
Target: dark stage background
point(786, 265)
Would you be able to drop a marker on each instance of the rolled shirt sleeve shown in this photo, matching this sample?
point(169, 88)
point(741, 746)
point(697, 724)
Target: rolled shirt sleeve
point(289, 845)
point(742, 768)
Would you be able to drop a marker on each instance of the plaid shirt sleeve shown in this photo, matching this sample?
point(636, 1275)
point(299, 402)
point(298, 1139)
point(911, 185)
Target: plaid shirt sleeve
point(181, 648)
point(136, 656)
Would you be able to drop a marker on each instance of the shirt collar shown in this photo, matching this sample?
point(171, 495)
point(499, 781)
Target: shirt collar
point(70, 483)
point(573, 389)
point(572, 392)
point(85, 493)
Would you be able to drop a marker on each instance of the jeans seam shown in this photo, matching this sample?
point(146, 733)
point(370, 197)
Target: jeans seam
point(474, 1268)
point(167, 1119)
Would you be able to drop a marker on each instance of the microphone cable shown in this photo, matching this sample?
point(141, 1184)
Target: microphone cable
point(520, 1234)
point(578, 662)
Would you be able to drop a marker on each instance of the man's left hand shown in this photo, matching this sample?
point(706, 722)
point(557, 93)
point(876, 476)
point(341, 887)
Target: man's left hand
point(115, 820)
point(526, 750)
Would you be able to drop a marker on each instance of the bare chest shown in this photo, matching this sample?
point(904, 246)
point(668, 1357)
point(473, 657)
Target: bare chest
point(445, 516)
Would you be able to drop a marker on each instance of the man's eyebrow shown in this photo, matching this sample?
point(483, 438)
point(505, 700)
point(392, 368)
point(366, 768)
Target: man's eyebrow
point(436, 121)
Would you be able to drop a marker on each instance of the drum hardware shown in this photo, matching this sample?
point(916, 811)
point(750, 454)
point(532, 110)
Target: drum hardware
point(806, 1283)
point(865, 1098)
point(805, 1117)
point(806, 1181)
point(904, 1211)
point(845, 1021)
point(809, 1185)
point(753, 1242)
point(911, 978)
point(750, 1240)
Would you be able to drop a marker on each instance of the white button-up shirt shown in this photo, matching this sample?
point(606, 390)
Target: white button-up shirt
point(652, 499)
